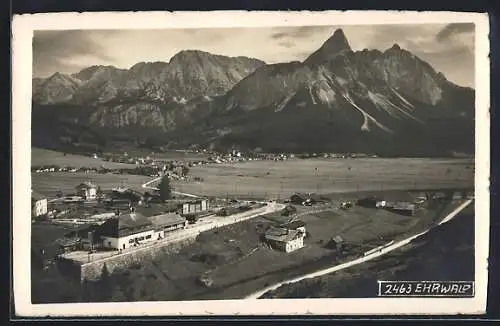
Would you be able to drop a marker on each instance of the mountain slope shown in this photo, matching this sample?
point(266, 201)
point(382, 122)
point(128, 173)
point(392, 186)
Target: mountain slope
point(389, 102)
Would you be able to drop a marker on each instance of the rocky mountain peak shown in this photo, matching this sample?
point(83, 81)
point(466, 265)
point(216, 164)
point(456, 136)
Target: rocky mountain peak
point(335, 45)
point(339, 39)
point(90, 72)
point(395, 47)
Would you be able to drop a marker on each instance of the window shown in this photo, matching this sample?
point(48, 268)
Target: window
point(148, 236)
point(131, 241)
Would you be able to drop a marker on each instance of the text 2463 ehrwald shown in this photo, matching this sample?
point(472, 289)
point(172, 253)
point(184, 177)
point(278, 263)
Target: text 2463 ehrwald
point(426, 288)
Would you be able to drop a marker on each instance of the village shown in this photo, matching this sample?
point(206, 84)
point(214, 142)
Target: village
point(152, 166)
point(111, 222)
point(201, 215)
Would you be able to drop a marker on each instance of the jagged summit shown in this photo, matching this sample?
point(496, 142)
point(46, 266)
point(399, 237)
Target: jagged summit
point(335, 45)
point(395, 46)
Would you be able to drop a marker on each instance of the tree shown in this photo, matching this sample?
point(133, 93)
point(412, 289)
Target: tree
point(185, 170)
point(165, 189)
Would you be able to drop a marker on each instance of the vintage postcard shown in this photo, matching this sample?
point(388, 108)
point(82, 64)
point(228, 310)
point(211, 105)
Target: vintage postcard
point(250, 163)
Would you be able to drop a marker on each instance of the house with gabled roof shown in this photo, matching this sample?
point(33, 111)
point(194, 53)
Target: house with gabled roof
point(87, 190)
point(132, 229)
point(284, 239)
point(38, 204)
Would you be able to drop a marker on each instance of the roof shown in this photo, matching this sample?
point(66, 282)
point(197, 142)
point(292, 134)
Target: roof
point(338, 239)
point(196, 201)
point(64, 242)
point(401, 205)
point(281, 234)
point(37, 196)
point(125, 224)
point(294, 225)
point(86, 184)
point(167, 219)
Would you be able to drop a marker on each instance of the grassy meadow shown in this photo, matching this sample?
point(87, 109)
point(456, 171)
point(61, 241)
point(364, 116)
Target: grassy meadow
point(264, 179)
point(41, 156)
point(49, 184)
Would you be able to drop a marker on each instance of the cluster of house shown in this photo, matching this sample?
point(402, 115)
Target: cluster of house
point(237, 156)
point(338, 155)
point(55, 168)
point(123, 231)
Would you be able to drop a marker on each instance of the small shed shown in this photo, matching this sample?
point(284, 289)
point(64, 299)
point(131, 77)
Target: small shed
point(337, 242)
point(368, 202)
point(402, 208)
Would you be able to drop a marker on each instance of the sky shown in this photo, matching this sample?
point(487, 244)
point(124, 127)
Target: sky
point(449, 48)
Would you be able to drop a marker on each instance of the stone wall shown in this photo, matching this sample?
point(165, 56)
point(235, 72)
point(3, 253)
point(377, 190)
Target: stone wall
point(93, 270)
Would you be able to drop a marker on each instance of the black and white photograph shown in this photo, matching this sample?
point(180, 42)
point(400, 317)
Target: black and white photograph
point(314, 157)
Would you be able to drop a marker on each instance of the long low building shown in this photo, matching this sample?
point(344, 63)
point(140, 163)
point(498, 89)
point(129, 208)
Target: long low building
point(130, 230)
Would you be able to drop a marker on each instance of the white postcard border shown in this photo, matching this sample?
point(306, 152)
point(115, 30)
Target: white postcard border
point(22, 29)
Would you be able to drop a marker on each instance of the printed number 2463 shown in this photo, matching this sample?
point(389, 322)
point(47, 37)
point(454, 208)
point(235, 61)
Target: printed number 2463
point(398, 288)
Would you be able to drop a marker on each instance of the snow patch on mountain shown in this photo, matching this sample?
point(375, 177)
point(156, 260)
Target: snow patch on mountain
point(283, 103)
point(405, 101)
point(367, 117)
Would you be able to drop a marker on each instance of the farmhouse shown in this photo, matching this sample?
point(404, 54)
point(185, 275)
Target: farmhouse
point(38, 204)
point(87, 190)
point(284, 239)
point(195, 207)
point(129, 230)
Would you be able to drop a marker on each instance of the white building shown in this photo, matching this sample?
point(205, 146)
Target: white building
point(87, 190)
point(38, 204)
point(195, 207)
point(130, 230)
point(285, 239)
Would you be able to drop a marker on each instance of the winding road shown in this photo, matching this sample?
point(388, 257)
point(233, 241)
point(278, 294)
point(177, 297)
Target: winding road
point(384, 250)
point(147, 186)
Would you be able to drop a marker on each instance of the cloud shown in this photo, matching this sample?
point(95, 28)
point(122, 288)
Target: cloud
point(287, 44)
point(56, 49)
point(299, 32)
point(453, 29)
point(70, 51)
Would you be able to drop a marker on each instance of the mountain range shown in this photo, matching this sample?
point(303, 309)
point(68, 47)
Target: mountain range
point(387, 102)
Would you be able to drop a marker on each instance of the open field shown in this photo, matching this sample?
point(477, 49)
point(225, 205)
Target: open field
point(445, 253)
point(269, 179)
point(49, 184)
point(47, 157)
point(229, 255)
